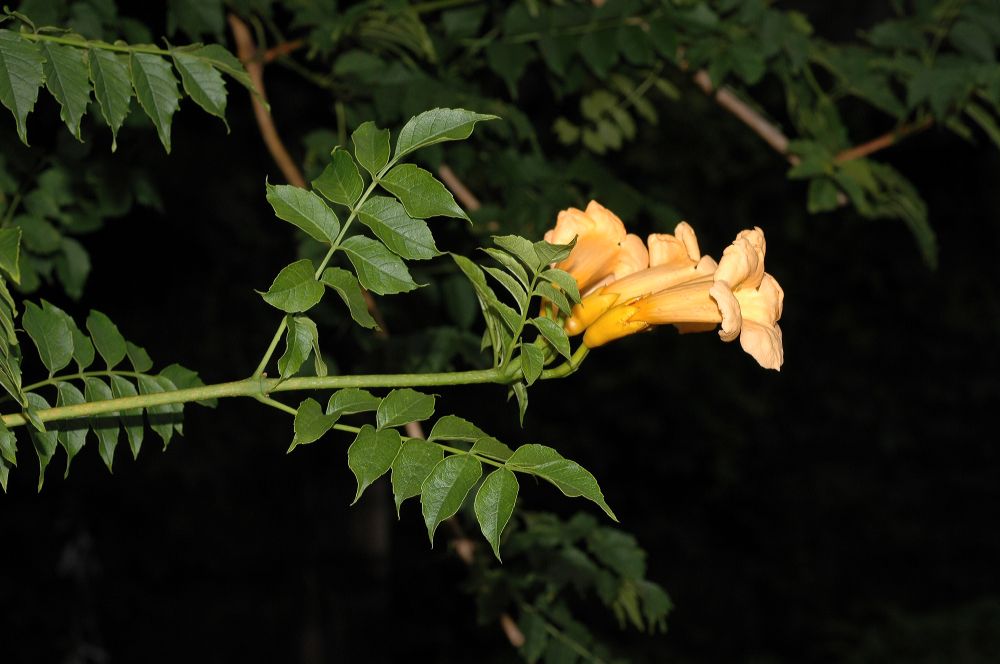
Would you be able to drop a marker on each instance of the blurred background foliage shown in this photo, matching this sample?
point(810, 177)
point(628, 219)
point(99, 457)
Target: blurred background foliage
point(838, 511)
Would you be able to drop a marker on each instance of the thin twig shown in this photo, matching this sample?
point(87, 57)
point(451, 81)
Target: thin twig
point(881, 142)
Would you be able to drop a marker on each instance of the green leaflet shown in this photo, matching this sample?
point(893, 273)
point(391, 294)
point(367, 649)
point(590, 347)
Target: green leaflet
point(67, 78)
point(105, 425)
point(371, 147)
point(421, 193)
point(83, 347)
point(72, 266)
point(511, 264)
point(532, 362)
point(224, 61)
point(310, 423)
point(112, 88)
point(371, 455)
point(349, 290)
point(8, 444)
point(156, 89)
point(494, 505)
point(72, 434)
point(568, 476)
point(552, 253)
point(52, 337)
point(523, 249)
point(340, 181)
point(352, 400)
point(435, 126)
point(565, 281)
point(406, 237)
point(44, 441)
point(131, 419)
point(451, 427)
point(403, 406)
point(415, 461)
point(445, 489)
point(554, 334)
point(295, 289)
point(301, 338)
point(556, 297)
point(304, 209)
point(379, 270)
point(520, 391)
point(511, 285)
point(109, 341)
point(203, 83)
point(21, 76)
point(161, 418)
point(10, 252)
point(137, 355)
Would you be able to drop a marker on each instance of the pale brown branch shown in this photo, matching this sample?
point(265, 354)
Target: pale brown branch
point(458, 188)
point(728, 100)
point(281, 50)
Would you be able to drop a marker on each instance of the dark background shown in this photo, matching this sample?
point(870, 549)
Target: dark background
point(844, 509)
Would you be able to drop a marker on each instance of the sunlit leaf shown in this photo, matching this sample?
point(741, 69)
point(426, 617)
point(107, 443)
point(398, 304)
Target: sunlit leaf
point(403, 406)
point(371, 147)
point(304, 209)
point(295, 289)
point(407, 237)
point(421, 193)
point(379, 270)
point(435, 126)
point(340, 181)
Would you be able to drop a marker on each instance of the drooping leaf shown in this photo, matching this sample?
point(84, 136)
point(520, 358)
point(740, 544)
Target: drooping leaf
point(311, 423)
point(106, 424)
point(44, 441)
point(299, 340)
point(137, 355)
point(10, 252)
point(304, 209)
point(21, 76)
point(421, 193)
point(378, 269)
point(371, 147)
point(452, 427)
point(435, 126)
point(109, 341)
point(532, 362)
point(156, 89)
point(415, 461)
point(403, 406)
point(352, 400)
point(407, 237)
point(224, 61)
point(67, 78)
point(340, 181)
point(445, 489)
point(554, 334)
point(131, 419)
point(569, 477)
point(72, 435)
point(347, 287)
point(520, 391)
point(162, 417)
point(295, 289)
point(371, 455)
point(51, 335)
point(494, 505)
point(203, 83)
point(112, 88)
point(5, 467)
point(8, 445)
point(183, 378)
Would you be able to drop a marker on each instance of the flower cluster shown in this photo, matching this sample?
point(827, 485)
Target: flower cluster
point(628, 286)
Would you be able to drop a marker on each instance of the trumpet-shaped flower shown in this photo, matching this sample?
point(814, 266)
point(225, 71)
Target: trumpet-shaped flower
point(673, 259)
point(739, 295)
point(604, 251)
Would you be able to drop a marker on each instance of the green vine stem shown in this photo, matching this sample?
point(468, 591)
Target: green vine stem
point(259, 387)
